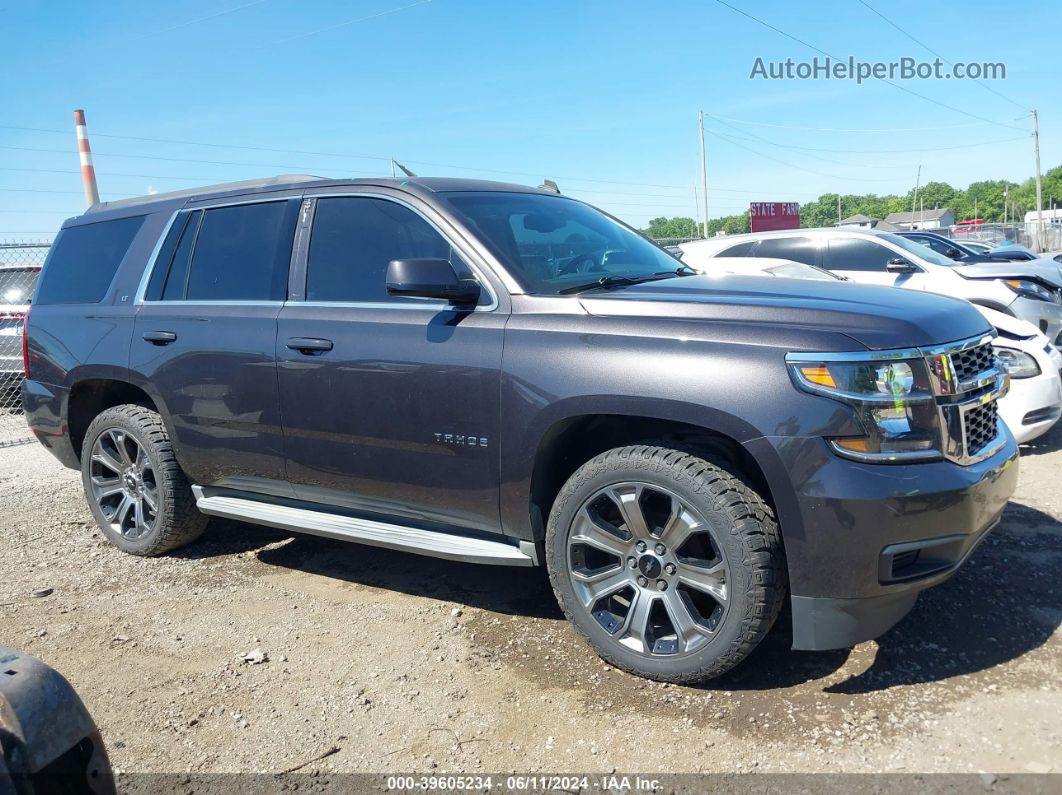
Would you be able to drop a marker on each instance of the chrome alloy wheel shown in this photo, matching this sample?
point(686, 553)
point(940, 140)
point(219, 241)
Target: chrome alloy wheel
point(649, 570)
point(123, 483)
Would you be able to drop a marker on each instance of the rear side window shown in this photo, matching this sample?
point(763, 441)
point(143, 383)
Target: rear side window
point(797, 249)
point(353, 240)
point(740, 250)
point(242, 253)
point(84, 259)
point(237, 253)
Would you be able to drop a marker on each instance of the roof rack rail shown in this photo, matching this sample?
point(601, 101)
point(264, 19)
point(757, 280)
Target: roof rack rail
point(282, 179)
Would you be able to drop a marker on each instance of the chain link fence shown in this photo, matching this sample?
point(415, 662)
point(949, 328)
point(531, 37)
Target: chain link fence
point(20, 264)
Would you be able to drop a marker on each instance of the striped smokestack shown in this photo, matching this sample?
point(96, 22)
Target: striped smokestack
point(88, 173)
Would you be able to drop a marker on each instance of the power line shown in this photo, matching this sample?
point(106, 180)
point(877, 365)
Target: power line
point(185, 24)
point(177, 159)
point(201, 143)
point(934, 52)
point(882, 79)
point(856, 129)
point(870, 151)
point(761, 139)
point(734, 142)
point(311, 153)
point(352, 22)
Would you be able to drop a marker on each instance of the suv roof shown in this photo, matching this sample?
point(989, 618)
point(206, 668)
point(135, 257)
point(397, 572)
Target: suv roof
point(289, 181)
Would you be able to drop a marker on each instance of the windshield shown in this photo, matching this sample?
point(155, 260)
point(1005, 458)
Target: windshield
point(16, 285)
point(551, 243)
point(920, 251)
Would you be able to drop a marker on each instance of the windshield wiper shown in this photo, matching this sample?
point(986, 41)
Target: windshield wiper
point(614, 280)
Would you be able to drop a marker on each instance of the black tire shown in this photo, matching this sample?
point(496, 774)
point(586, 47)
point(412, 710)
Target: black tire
point(729, 530)
point(122, 432)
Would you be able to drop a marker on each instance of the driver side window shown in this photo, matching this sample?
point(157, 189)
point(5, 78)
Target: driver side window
point(353, 240)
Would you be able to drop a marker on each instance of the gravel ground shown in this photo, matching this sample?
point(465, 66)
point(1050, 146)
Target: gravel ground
point(378, 661)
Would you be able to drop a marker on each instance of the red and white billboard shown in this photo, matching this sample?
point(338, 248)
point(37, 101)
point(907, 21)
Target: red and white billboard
point(767, 216)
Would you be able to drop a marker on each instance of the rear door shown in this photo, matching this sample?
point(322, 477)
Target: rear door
point(396, 411)
point(205, 336)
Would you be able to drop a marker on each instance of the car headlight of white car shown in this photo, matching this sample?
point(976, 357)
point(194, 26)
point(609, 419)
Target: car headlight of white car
point(1028, 289)
point(1019, 363)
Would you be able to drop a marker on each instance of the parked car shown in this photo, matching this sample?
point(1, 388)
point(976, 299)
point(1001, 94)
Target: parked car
point(17, 283)
point(763, 266)
point(976, 246)
point(499, 374)
point(1019, 289)
point(1010, 250)
point(1033, 404)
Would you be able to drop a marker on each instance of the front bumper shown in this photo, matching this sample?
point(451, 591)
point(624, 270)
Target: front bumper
point(862, 540)
point(1046, 316)
point(1033, 405)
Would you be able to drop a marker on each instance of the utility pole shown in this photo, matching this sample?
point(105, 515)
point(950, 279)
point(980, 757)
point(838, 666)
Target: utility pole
point(838, 209)
point(1041, 243)
point(1005, 191)
point(696, 210)
point(918, 181)
point(704, 172)
point(88, 172)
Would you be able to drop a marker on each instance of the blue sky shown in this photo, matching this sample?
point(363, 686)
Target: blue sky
point(600, 96)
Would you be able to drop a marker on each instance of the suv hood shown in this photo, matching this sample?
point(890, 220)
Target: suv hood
point(876, 317)
point(1047, 270)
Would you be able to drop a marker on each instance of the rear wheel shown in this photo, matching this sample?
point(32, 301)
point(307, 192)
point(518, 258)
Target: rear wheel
point(670, 566)
point(138, 494)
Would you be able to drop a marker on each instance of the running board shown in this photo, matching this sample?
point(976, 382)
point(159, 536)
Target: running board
point(365, 531)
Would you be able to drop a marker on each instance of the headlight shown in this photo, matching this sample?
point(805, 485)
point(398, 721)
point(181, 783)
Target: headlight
point(1019, 364)
point(1029, 289)
point(893, 402)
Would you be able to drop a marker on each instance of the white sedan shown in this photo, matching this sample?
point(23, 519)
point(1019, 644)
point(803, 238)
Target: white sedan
point(1034, 402)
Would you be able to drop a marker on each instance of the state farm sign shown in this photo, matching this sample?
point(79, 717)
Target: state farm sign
point(765, 216)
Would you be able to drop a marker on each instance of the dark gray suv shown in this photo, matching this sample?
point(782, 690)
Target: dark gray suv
point(497, 374)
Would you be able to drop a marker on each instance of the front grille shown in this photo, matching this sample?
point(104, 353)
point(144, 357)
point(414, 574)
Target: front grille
point(981, 427)
point(970, 363)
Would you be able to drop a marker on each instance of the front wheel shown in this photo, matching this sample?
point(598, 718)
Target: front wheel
point(670, 566)
point(138, 494)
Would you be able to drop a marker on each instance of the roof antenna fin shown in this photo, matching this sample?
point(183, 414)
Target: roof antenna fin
point(550, 185)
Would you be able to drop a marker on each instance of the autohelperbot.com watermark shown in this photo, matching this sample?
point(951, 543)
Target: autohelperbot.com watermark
point(905, 68)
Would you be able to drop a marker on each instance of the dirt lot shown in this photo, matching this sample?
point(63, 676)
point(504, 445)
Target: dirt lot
point(410, 664)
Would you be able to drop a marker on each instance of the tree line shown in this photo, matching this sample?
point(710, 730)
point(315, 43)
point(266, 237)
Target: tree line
point(982, 199)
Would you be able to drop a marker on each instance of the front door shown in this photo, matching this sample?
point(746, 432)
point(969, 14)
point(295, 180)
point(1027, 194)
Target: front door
point(390, 405)
point(866, 261)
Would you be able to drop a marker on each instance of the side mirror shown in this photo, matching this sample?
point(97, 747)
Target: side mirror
point(430, 278)
point(900, 265)
point(954, 253)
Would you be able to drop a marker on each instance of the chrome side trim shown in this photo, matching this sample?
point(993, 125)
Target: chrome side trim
point(363, 531)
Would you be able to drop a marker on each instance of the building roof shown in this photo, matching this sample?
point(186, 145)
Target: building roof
point(917, 215)
point(857, 219)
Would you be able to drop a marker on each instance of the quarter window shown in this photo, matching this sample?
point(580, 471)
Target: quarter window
point(354, 239)
point(84, 259)
point(854, 254)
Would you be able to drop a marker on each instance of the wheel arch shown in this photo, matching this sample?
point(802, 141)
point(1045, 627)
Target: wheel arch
point(91, 396)
point(569, 441)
